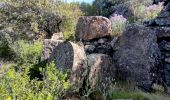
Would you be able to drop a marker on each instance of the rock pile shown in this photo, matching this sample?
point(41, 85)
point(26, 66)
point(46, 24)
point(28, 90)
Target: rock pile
point(88, 62)
point(161, 25)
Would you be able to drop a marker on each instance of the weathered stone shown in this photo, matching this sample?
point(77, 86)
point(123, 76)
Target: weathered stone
point(167, 60)
point(163, 21)
point(164, 14)
point(137, 55)
point(102, 41)
point(72, 58)
point(48, 47)
point(90, 27)
point(57, 36)
point(89, 48)
point(104, 49)
point(101, 71)
point(162, 32)
point(164, 46)
point(167, 73)
point(114, 40)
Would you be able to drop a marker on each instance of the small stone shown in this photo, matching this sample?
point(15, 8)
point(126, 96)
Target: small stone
point(96, 43)
point(89, 48)
point(101, 41)
point(167, 60)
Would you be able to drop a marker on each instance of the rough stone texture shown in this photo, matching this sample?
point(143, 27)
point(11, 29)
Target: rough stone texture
point(48, 47)
point(100, 45)
point(162, 32)
point(57, 36)
point(101, 71)
point(90, 27)
point(72, 58)
point(137, 55)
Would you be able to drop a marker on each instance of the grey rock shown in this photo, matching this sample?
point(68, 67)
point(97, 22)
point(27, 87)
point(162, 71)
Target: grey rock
point(91, 27)
point(163, 21)
point(114, 40)
point(102, 41)
point(167, 73)
point(167, 60)
point(137, 55)
point(101, 71)
point(48, 47)
point(89, 48)
point(71, 57)
point(164, 46)
point(162, 32)
point(57, 36)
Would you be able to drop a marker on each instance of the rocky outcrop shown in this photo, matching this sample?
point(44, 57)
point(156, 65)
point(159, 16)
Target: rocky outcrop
point(161, 26)
point(165, 50)
point(101, 71)
point(71, 57)
point(100, 45)
point(91, 27)
point(137, 55)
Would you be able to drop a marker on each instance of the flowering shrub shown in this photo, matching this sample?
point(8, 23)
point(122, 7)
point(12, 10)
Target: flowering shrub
point(152, 11)
point(118, 24)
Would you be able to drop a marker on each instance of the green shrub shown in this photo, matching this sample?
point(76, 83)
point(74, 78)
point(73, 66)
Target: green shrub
point(15, 84)
point(27, 52)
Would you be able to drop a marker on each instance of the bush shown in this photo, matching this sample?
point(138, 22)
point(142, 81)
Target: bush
point(118, 24)
point(27, 52)
point(16, 84)
point(153, 11)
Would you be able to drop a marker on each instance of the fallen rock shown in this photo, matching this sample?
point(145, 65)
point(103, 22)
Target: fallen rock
point(71, 57)
point(90, 27)
point(137, 55)
point(48, 47)
point(101, 71)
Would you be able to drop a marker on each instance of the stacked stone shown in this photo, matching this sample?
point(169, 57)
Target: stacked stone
point(94, 31)
point(101, 45)
point(165, 49)
point(161, 25)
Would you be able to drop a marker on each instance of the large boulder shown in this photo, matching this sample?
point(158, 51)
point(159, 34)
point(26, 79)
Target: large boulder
point(101, 71)
point(137, 55)
point(90, 27)
point(71, 57)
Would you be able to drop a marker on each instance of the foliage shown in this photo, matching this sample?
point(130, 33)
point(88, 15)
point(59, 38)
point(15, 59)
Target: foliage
point(118, 24)
point(88, 9)
point(16, 84)
point(70, 14)
point(127, 95)
point(104, 7)
point(27, 52)
point(152, 11)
